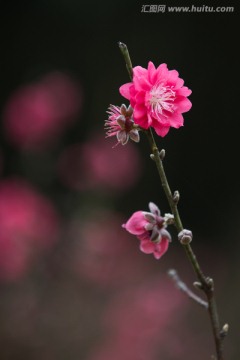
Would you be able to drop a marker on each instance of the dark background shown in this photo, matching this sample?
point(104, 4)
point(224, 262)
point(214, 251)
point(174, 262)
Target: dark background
point(80, 38)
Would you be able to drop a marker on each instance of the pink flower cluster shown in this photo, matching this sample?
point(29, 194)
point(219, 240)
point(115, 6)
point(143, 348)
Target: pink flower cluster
point(150, 229)
point(158, 98)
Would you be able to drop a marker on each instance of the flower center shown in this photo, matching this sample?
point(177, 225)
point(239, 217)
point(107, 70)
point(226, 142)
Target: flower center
point(159, 222)
point(161, 98)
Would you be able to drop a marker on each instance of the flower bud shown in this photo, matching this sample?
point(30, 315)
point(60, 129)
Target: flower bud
point(172, 273)
point(225, 328)
point(168, 219)
point(224, 331)
point(210, 283)
point(162, 154)
point(197, 285)
point(176, 197)
point(185, 237)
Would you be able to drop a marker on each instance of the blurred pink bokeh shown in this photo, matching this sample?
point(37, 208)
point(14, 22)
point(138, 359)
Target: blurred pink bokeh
point(94, 164)
point(29, 225)
point(103, 253)
point(137, 323)
point(38, 113)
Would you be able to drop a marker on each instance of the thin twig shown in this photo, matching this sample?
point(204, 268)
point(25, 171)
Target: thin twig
point(206, 282)
point(127, 58)
point(174, 208)
point(183, 287)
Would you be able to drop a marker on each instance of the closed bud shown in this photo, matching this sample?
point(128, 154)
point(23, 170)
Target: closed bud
point(197, 285)
point(162, 154)
point(185, 237)
point(121, 45)
point(210, 283)
point(176, 197)
point(172, 273)
point(224, 330)
point(168, 219)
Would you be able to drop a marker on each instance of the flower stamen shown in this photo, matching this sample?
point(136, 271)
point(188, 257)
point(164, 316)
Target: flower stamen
point(161, 98)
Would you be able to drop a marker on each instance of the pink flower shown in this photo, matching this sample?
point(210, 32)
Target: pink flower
point(150, 229)
point(158, 98)
point(120, 123)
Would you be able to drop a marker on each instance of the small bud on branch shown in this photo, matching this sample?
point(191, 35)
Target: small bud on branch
point(162, 154)
point(198, 285)
point(185, 237)
point(176, 197)
point(224, 331)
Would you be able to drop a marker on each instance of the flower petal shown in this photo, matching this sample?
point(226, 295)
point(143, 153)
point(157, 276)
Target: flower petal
point(154, 209)
point(121, 121)
point(184, 91)
point(160, 249)
point(140, 112)
point(161, 130)
point(125, 90)
point(183, 104)
point(166, 235)
point(123, 110)
point(139, 71)
point(179, 83)
point(149, 227)
point(176, 120)
point(147, 246)
point(151, 72)
point(172, 77)
point(161, 73)
point(149, 217)
point(134, 135)
point(141, 83)
point(156, 235)
point(122, 137)
point(149, 121)
point(136, 224)
point(140, 97)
